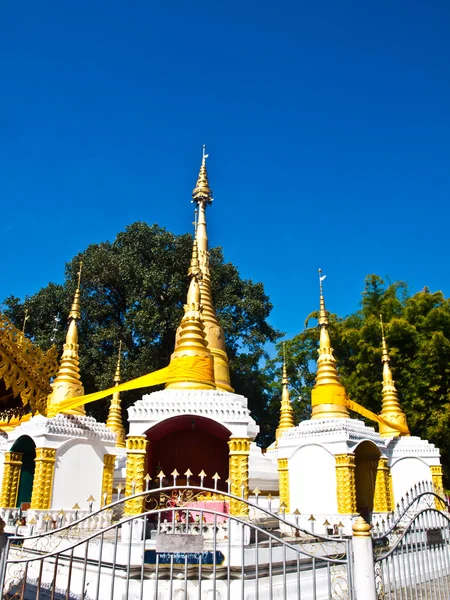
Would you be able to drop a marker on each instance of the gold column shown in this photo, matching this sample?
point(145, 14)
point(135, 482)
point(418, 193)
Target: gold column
point(283, 475)
point(11, 478)
point(41, 495)
point(391, 492)
point(108, 478)
point(135, 475)
point(239, 453)
point(345, 483)
point(382, 499)
point(436, 476)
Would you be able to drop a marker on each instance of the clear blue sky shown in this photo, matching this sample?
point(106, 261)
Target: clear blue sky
point(327, 124)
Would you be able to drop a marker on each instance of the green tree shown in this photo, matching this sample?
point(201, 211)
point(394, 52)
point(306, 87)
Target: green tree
point(133, 290)
point(418, 336)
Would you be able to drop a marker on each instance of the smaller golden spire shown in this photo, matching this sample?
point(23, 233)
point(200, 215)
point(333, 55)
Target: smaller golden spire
point(328, 395)
point(286, 412)
point(390, 407)
point(114, 421)
point(67, 383)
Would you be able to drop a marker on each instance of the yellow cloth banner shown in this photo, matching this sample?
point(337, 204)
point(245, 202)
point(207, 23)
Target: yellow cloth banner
point(335, 394)
point(186, 368)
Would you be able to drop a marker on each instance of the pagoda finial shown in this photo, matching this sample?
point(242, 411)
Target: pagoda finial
point(114, 421)
point(328, 395)
point(286, 412)
point(202, 193)
point(215, 337)
point(67, 383)
point(75, 310)
point(191, 337)
point(390, 406)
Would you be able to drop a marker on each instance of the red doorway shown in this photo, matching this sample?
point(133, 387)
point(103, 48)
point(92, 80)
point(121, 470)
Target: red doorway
point(189, 442)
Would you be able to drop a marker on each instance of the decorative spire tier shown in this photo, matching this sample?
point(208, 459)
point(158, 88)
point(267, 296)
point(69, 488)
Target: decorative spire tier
point(286, 412)
point(202, 197)
point(191, 337)
point(67, 383)
point(391, 409)
point(328, 395)
point(115, 421)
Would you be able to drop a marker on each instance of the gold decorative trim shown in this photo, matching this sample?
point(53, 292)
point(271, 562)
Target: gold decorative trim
point(135, 473)
point(382, 496)
point(11, 478)
point(108, 478)
point(25, 369)
point(41, 495)
point(345, 483)
point(436, 476)
point(238, 464)
point(283, 475)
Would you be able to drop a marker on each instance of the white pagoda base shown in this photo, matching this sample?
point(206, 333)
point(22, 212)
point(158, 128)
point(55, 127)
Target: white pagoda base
point(316, 449)
point(81, 444)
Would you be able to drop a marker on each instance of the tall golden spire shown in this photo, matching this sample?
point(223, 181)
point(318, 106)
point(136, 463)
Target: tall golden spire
point(114, 421)
point(390, 408)
point(328, 396)
point(202, 197)
point(67, 383)
point(286, 412)
point(191, 337)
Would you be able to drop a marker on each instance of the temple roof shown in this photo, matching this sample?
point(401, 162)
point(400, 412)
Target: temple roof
point(25, 372)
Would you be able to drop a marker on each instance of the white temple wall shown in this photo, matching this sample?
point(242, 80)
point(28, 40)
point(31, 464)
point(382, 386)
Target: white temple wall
point(406, 472)
point(312, 480)
point(78, 474)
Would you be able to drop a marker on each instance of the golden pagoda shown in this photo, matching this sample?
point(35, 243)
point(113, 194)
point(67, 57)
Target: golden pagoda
point(115, 421)
point(391, 409)
point(215, 337)
point(67, 383)
point(286, 412)
point(328, 395)
point(191, 337)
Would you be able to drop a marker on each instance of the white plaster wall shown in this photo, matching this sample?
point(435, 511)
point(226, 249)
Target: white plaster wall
point(405, 473)
point(78, 474)
point(263, 472)
point(312, 481)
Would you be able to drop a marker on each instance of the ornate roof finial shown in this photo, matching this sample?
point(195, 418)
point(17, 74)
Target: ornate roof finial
point(328, 395)
point(114, 421)
point(391, 408)
point(286, 412)
point(67, 383)
point(21, 335)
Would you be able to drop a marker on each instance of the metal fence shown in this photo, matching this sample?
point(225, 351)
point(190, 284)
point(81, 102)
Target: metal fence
point(412, 549)
point(185, 545)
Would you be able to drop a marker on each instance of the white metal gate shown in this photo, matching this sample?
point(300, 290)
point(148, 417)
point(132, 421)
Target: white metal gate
point(185, 545)
point(412, 549)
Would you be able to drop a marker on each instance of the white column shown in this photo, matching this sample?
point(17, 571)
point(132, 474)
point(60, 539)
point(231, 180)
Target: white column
point(364, 575)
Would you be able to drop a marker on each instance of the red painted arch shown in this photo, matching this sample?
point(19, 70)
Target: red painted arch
point(189, 442)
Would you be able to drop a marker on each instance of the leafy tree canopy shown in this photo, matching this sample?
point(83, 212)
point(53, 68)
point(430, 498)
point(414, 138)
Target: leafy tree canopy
point(417, 329)
point(133, 290)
